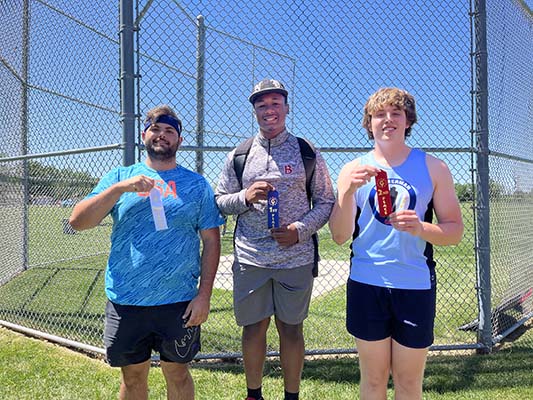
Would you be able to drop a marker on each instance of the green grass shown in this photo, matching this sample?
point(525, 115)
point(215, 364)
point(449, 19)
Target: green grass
point(48, 243)
point(33, 369)
point(63, 293)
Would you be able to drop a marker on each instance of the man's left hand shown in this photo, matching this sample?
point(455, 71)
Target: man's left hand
point(285, 235)
point(406, 221)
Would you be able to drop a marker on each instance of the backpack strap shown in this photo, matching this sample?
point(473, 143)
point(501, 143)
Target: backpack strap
point(309, 159)
point(240, 156)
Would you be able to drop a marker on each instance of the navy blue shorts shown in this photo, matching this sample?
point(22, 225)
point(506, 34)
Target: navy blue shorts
point(132, 332)
point(375, 313)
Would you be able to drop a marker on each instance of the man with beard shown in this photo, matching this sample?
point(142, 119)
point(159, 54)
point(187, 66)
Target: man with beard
point(161, 212)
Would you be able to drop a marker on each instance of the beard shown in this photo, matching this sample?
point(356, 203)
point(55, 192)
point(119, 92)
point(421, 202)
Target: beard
point(161, 153)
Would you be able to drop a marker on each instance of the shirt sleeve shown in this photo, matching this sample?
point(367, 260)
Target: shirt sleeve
point(229, 196)
point(107, 181)
point(209, 214)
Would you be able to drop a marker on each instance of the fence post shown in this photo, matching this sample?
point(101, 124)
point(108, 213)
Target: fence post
point(127, 84)
point(482, 176)
point(24, 131)
point(200, 99)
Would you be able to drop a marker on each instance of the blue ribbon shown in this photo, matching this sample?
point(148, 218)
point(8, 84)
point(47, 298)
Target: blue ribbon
point(273, 209)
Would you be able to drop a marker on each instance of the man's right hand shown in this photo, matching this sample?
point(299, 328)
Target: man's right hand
point(353, 176)
point(139, 183)
point(258, 191)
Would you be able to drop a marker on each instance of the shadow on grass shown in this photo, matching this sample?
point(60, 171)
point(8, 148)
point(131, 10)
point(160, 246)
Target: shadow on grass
point(505, 368)
point(502, 369)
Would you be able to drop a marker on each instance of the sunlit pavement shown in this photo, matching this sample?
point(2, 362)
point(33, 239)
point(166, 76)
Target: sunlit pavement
point(331, 274)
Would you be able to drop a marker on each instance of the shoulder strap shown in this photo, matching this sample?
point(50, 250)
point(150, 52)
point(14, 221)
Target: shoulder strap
point(240, 156)
point(309, 159)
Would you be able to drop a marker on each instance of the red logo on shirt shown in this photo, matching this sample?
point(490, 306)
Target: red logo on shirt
point(166, 189)
point(287, 169)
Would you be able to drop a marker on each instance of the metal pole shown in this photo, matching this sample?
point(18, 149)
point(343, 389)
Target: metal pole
point(200, 97)
point(127, 84)
point(482, 171)
point(24, 134)
point(136, 28)
point(52, 338)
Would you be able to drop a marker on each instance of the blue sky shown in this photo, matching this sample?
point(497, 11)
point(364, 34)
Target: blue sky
point(331, 57)
point(337, 56)
point(343, 54)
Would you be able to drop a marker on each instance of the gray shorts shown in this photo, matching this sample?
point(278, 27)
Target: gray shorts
point(259, 293)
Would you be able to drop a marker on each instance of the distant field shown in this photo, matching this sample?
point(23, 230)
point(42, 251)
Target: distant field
point(63, 293)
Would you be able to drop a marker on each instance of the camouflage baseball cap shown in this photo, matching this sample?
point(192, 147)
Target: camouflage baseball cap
point(267, 86)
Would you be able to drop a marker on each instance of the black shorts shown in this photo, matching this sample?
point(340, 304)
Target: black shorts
point(132, 332)
point(375, 313)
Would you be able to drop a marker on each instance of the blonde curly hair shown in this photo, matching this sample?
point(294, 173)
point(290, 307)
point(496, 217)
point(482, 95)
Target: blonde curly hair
point(389, 97)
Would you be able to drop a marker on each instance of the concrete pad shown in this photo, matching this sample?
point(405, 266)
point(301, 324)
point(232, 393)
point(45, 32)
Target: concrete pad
point(331, 275)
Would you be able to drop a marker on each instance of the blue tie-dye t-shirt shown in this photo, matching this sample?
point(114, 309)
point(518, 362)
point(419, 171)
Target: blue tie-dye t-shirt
point(147, 267)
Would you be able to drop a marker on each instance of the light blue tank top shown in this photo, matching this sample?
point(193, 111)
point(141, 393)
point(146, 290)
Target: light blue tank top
point(381, 255)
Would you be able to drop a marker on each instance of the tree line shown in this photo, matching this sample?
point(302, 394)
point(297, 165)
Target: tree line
point(48, 182)
point(467, 192)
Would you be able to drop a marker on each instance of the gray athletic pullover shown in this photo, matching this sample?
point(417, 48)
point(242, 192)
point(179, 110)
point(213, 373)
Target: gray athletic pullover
point(279, 162)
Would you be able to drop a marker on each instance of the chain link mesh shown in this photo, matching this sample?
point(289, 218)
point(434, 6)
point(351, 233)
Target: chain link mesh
point(510, 57)
point(59, 80)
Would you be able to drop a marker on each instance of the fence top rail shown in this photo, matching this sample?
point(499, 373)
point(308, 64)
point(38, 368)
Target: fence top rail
point(116, 146)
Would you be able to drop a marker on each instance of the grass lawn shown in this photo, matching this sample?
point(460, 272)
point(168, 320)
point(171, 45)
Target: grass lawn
point(63, 293)
point(34, 369)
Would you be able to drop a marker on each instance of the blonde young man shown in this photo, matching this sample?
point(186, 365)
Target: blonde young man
point(392, 288)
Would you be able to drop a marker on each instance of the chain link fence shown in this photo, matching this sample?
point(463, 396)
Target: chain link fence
point(62, 108)
point(510, 119)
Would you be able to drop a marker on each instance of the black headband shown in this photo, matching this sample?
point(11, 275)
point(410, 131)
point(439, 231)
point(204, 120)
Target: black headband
point(165, 119)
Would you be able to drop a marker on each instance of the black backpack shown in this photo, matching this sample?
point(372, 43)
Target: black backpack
point(309, 159)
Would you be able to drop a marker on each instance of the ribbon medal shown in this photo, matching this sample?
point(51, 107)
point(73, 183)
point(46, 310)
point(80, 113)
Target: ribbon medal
point(158, 212)
point(273, 208)
point(382, 189)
